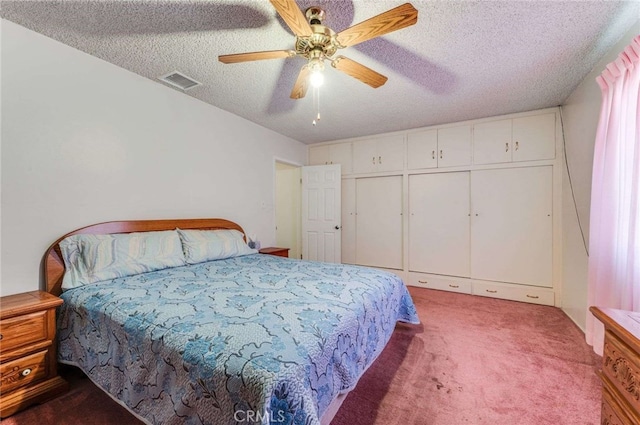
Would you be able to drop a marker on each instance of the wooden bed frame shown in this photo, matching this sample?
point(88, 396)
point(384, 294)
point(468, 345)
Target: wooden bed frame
point(53, 264)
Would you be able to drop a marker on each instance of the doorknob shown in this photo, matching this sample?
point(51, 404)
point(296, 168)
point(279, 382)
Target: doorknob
point(338, 227)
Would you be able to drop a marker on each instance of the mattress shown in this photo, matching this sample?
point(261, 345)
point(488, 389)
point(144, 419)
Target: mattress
point(251, 339)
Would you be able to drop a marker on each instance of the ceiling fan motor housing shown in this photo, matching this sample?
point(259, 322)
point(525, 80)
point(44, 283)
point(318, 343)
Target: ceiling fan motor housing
point(315, 15)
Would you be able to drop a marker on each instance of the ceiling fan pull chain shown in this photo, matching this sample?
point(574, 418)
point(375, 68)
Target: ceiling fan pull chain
point(316, 103)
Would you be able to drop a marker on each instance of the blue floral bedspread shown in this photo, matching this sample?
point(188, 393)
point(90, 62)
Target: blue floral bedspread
point(253, 339)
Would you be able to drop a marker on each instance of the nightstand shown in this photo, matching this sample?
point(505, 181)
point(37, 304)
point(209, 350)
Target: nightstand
point(280, 252)
point(28, 363)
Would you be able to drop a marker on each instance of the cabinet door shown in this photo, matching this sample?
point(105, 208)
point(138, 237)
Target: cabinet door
point(319, 155)
point(341, 154)
point(422, 149)
point(365, 156)
point(492, 142)
point(534, 137)
point(348, 221)
point(391, 153)
point(439, 223)
point(454, 146)
point(379, 222)
point(511, 225)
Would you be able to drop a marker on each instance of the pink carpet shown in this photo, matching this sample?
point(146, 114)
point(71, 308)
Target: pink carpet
point(473, 360)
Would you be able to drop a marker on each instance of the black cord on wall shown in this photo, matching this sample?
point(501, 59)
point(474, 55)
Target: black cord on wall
point(573, 196)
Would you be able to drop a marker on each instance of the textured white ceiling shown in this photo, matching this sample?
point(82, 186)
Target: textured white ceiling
point(462, 60)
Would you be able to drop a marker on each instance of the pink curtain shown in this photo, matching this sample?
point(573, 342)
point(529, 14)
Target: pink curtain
point(614, 238)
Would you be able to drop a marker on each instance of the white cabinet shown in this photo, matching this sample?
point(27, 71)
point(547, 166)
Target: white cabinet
point(528, 138)
point(379, 154)
point(439, 223)
point(422, 150)
point(379, 222)
point(445, 147)
point(512, 225)
point(339, 153)
point(348, 221)
point(490, 225)
point(534, 137)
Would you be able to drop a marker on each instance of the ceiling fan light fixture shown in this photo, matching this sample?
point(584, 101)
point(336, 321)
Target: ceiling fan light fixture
point(316, 78)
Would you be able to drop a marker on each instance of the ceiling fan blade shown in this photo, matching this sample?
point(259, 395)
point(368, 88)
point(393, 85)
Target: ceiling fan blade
point(384, 23)
point(301, 85)
point(359, 71)
point(293, 16)
point(256, 56)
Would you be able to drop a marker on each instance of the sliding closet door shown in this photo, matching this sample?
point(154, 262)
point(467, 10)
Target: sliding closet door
point(379, 222)
point(511, 227)
point(439, 223)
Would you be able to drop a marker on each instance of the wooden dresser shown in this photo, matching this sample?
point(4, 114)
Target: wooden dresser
point(620, 372)
point(28, 363)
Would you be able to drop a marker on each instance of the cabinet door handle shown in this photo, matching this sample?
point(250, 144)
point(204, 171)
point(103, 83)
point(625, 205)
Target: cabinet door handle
point(535, 297)
point(490, 291)
point(433, 154)
point(440, 153)
point(379, 160)
point(506, 147)
point(373, 160)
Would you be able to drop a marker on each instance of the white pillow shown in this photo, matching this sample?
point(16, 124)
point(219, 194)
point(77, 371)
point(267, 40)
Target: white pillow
point(94, 258)
point(208, 245)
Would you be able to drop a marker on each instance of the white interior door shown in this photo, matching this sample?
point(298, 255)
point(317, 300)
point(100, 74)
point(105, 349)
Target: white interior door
point(321, 213)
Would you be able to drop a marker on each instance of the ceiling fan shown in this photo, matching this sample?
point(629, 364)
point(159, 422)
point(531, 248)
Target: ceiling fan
point(317, 43)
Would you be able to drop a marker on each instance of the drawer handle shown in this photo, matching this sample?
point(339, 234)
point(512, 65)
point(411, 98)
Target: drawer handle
point(26, 372)
point(454, 286)
point(423, 281)
point(490, 291)
point(533, 296)
point(1, 337)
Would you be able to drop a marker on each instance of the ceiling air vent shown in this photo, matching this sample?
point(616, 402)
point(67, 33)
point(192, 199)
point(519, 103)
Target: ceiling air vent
point(179, 80)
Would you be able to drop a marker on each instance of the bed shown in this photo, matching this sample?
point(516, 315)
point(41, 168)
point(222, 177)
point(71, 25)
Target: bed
point(251, 338)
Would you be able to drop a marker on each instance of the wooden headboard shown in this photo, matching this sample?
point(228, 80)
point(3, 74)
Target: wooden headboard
point(54, 265)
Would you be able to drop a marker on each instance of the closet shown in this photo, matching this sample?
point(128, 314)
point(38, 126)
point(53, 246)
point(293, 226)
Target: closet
point(439, 223)
point(379, 222)
point(471, 207)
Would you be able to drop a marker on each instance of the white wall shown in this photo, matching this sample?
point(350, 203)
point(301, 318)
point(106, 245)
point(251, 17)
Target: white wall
point(84, 141)
point(580, 118)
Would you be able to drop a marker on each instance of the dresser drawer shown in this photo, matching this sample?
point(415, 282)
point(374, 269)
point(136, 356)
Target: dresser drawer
point(514, 292)
point(452, 284)
point(622, 369)
point(612, 413)
point(23, 330)
point(23, 371)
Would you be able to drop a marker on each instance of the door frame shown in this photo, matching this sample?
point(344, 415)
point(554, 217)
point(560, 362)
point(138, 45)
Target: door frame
point(294, 164)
